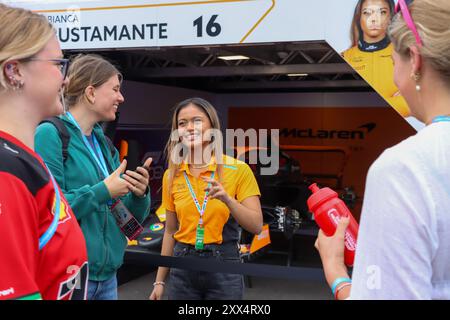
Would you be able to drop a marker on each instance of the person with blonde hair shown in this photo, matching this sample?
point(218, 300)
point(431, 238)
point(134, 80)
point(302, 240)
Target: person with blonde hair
point(207, 196)
point(404, 238)
point(90, 174)
point(42, 249)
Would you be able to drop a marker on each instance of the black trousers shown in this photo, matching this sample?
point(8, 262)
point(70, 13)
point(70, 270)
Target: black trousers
point(199, 285)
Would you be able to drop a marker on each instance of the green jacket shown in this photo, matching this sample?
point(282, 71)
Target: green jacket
point(82, 184)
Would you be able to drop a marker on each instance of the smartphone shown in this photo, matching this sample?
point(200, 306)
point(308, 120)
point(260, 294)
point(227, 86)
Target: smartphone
point(142, 165)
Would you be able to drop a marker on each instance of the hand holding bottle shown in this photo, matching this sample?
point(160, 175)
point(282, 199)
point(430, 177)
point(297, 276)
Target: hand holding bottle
point(328, 210)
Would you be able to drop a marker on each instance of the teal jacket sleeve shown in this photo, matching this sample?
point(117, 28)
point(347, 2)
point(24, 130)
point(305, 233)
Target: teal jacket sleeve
point(138, 206)
point(84, 200)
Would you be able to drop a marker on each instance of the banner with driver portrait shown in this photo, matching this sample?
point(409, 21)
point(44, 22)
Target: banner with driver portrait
point(357, 29)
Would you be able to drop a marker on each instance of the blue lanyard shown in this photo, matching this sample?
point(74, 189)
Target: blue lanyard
point(97, 153)
point(201, 209)
point(45, 238)
point(441, 119)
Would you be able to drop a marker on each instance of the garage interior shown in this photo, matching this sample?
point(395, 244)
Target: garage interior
point(269, 67)
point(308, 76)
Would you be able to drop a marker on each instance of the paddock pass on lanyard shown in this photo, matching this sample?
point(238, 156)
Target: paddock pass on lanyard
point(200, 233)
point(130, 227)
point(126, 221)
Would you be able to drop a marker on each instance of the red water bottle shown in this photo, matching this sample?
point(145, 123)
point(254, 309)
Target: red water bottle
point(328, 210)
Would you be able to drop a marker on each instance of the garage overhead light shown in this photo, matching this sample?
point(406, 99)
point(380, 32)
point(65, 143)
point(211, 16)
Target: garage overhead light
point(297, 74)
point(229, 58)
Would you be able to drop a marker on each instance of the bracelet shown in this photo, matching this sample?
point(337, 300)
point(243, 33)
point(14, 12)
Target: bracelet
point(337, 282)
point(340, 288)
point(162, 283)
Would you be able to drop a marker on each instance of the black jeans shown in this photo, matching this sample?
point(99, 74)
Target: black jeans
point(199, 285)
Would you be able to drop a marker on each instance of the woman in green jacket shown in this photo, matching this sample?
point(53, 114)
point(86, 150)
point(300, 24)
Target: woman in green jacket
point(91, 176)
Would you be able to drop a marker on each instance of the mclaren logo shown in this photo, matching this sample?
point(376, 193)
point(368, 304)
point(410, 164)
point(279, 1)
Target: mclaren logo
point(360, 133)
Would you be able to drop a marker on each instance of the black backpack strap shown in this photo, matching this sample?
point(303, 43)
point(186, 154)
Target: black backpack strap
point(111, 146)
point(65, 138)
point(112, 149)
point(63, 134)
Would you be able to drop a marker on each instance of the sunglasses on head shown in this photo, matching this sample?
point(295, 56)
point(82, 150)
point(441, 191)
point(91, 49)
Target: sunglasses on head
point(402, 6)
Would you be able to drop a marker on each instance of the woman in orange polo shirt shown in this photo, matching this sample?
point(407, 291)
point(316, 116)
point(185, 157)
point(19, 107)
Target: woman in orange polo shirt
point(208, 196)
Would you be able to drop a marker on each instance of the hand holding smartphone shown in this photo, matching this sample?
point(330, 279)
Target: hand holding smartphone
point(146, 165)
point(139, 179)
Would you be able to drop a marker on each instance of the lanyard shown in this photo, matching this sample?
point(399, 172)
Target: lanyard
point(45, 238)
point(441, 119)
point(201, 209)
point(97, 153)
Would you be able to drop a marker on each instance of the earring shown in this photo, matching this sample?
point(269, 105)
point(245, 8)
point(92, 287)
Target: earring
point(20, 84)
point(416, 77)
point(16, 84)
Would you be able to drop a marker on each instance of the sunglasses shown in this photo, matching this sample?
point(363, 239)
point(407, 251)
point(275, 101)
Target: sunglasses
point(402, 6)
point(62, 63)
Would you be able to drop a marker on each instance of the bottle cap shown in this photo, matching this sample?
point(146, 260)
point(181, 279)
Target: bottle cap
point(319, 196)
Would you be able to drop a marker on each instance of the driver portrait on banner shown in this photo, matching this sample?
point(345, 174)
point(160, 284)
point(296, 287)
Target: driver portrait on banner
point(370, 53)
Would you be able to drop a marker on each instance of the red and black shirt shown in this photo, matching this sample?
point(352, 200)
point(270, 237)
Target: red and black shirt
point(27, 203)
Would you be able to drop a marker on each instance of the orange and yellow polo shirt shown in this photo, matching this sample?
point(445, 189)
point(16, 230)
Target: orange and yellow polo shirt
point(238, 181)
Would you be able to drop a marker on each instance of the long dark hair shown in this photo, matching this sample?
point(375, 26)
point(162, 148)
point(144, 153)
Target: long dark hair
point(356, 30)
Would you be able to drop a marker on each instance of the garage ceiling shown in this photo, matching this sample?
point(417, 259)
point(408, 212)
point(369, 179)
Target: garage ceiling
point(266, 70)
